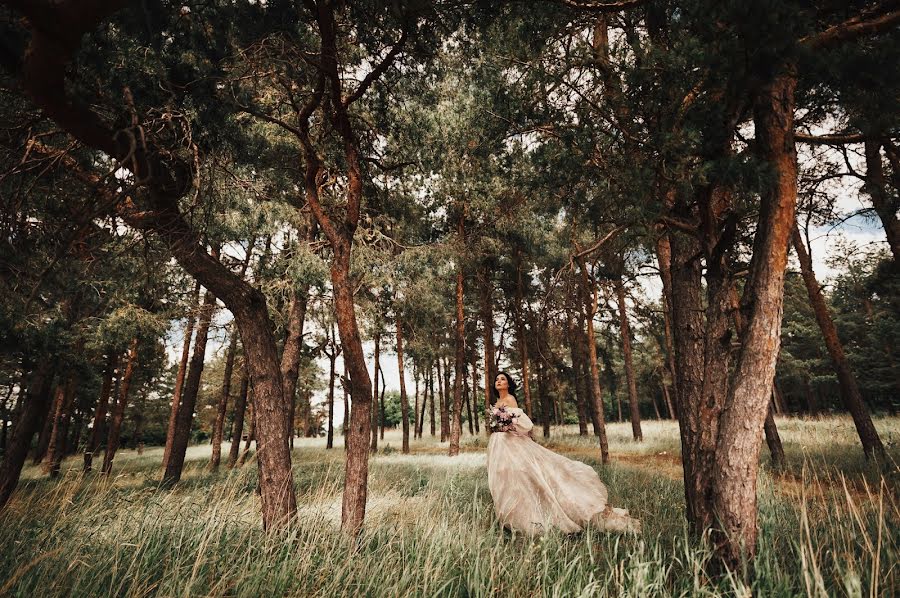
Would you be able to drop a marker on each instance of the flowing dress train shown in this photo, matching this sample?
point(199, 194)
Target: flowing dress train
point(536, 490)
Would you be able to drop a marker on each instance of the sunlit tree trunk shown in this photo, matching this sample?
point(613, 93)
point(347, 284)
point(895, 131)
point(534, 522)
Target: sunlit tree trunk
point(118, 413)
point(222, 407)
point(182, 372)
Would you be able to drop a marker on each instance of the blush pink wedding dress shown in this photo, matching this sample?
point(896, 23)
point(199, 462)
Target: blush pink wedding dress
point(536, 490)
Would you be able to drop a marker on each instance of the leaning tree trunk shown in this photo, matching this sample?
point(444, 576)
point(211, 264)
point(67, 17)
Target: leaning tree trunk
point(237, 428)
point(118, 413)
point(219, 425)
point(165, 183)
point(664, 255)
point(885, 206)
point(850, 393)
point(35, 409)
point(292, 353)
point(404, 402)
point(459, 362)
point(185, 417)
point(625, 330)
point(100, 413)
point(62, 417)
point(182, 371)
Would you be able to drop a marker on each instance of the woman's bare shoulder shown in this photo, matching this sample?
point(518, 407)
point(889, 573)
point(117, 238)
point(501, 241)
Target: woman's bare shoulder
point(509, 401)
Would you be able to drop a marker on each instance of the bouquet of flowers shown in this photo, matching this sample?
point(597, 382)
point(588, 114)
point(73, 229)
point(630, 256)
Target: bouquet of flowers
point(502, 420)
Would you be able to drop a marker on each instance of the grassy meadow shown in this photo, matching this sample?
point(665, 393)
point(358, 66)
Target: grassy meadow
point(830, 526)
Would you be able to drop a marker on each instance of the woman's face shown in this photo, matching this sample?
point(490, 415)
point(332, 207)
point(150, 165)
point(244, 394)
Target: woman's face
point(501, 383)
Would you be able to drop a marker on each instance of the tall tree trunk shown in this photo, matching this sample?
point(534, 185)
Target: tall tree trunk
point(475, 415)
point(35, 408)
point(182, 371)
point(60, 432)
point(118, 413)
point(468, 397)
point(850, 393)
point(185, 415)
point(546, 408)
point(237, 429)
point(416, 429)
point(445, 420)
point(885, 206)
point(251, 434)
point(664, 256)
point(590, 295)
point(376, 411)
point(43, 441)
point(740, 426)
point(381, 412)
point(773, 440)
point(404, 400)
point(112, 361)
point(353, 508)
point(625, 330)
point(431, 375)
point(329, 436)
point(292, 354)
point(460, 361)
point(219, 425)
point(519, 315)
point(487, 322)
point(578, 372)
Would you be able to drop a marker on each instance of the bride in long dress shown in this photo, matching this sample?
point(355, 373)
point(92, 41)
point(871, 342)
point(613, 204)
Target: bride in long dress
point(536, 490)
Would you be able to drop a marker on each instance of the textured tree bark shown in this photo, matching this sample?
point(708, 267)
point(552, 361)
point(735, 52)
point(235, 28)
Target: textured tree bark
point(404, 400)
point(182, 371)
point(416, 429)
point(625, 330)
point(346, 423)
point(219, 425)
point(185, 415)
point(118, 413)
point(468, 400)
point(590, 295)
point(240, 408)
point(35, 408)
point(353, 508)
point(60, 432)
point(868, 435)
point(460, 361)
point(487, 320)
point(740, 426)
point(112, 361)
point(885, 206)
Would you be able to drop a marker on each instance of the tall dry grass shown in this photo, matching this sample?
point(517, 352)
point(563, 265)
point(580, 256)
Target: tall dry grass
point(829, 526)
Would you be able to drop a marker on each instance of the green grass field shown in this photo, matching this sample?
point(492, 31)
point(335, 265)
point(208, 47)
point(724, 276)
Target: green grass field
point(830, 526)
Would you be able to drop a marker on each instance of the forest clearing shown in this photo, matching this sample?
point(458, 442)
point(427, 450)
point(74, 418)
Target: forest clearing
point(829, 526)
point(451, 297)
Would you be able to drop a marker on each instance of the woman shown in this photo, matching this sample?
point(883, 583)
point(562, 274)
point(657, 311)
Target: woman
point(535, 489)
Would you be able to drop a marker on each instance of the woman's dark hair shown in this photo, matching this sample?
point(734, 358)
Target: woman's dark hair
point(509, 379)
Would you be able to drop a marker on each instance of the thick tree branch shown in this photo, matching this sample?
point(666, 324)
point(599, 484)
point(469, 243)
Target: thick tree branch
point(837, 139)
point(882, 18)
point(376, 72)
